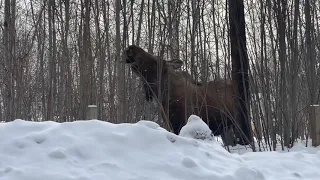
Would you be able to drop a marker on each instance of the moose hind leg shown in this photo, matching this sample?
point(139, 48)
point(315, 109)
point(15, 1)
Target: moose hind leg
point(223, 129)
point(228, 137)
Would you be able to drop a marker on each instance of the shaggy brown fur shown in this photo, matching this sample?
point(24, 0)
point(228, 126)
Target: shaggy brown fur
point(214, 102)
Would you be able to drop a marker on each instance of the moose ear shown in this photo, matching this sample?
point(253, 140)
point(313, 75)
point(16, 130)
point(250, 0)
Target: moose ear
point(175, 63)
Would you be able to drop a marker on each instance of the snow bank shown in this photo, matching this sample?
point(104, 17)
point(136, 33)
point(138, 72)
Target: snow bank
point(96, 150)
point(196, 128)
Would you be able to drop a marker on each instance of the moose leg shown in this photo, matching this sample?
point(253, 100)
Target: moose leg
point(176, 126)
point(223, 128)
point(242, 139)
point(243, 129)
point(228, 137)
point(177, 119)
point(243, 134)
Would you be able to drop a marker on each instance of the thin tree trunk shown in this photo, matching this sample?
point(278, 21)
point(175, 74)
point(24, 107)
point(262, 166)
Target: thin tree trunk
point(50, 99)
point(86, 89)
point(310, 58)
point(140, 22)
point(281, 19)
point(294, 73)
point(101, 56)
point(120, 69)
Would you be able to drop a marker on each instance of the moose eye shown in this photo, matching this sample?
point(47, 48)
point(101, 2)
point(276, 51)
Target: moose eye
point(130, 52)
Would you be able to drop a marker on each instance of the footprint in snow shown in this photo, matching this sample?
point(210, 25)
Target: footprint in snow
point(8, 170)
point(39, 139)
point(297, 175)
point(171, 138)
point(20, 144)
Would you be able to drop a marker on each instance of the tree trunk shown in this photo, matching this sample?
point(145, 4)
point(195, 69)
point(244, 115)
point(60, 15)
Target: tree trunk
point(240, 69)
point(86, 89)
point(294, 73)
point(120, 69)
point(310, 58)
point(9, 54)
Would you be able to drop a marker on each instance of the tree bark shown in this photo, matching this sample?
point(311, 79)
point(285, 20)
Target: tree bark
point(240, 69)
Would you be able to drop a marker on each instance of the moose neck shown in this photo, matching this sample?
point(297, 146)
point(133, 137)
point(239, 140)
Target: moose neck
point(156, 87)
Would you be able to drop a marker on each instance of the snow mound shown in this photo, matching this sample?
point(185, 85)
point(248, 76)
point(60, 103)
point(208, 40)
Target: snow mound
point(97, 150)
point(196, 128)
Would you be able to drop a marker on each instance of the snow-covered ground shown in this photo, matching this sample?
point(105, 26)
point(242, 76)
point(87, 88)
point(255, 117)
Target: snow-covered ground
point(97, 150)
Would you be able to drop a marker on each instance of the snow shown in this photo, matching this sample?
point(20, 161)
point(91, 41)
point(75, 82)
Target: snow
point(97, 150)
point(196, 128)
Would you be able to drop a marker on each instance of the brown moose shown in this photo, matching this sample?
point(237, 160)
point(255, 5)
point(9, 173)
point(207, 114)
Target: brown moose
point(214, 102)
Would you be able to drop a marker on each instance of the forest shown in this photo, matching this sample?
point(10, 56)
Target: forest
point(59, 56)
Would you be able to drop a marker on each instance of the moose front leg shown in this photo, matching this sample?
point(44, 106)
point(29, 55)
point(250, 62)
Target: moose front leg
point(148, 92)
point(177, 119)
point(176, 126)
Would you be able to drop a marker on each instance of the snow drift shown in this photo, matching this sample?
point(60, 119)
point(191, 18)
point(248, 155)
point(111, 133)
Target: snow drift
point(97, 150)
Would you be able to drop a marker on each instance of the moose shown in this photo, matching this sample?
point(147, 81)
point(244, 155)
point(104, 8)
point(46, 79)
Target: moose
point(181, 96)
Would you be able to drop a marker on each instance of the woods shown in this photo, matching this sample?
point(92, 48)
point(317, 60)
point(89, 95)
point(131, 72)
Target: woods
point(59, 56)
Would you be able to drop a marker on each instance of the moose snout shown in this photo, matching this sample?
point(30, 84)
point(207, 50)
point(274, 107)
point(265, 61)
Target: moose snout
point(129, 54)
